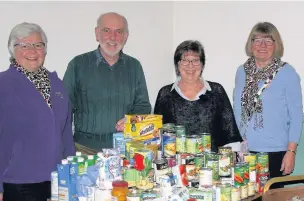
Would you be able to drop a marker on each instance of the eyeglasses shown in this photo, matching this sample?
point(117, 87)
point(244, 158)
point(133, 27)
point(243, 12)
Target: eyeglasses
point(186, 62)
point(259, 41)
point(28, 46)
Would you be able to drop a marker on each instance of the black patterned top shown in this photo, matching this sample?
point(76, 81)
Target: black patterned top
point(212, 113)
point(40, 80)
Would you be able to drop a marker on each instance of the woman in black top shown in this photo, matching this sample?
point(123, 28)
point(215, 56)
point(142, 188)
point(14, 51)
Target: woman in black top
point(199, 105)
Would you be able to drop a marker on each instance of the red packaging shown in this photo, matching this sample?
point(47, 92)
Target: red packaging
point(183, 173)
point(261, 180)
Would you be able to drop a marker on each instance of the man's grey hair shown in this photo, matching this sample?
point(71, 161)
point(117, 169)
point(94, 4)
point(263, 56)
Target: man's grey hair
point(23, 30)
point(99, 20)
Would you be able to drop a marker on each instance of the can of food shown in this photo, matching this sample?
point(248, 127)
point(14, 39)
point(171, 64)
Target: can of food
point(205, 176)
point(252, 176)
point(262, 165)
point(244, 191)
point(168, 126)
point(251, 189)
point(225, 150)
point(235, 193)
point(160, 168)
point(251, 159)
point(193, 183)
point(199, 160)
point(246, 172)
point(54, 185)
point(180, 139)
point(188, 160)
point(212, 161)
point(200, 194)
point(149, 195)
point(206, 142)
point(180, 158)
point(225, 165)
point(225, 191)
point(168, 142)
point(262, 178)
point(194, 144)
point(191, 172)
point(171, 161)
point(134, 195)
point(238, 175)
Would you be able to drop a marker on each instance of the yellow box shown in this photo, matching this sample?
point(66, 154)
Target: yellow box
point(140, 118)
point(143, 131)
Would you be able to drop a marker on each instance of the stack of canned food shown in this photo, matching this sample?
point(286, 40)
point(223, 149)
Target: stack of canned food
point(181, 167)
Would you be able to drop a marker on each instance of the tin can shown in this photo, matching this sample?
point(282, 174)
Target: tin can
point(244, 191)
point(134, 195)
point(262, 178)
point(188, 160)
point(194, 144)
point(251, 189)
point(225, 192)
point(225, 150)
point(225, 165)
point(206, 142)
point(168, 126)
point(149, 195)
point(171, 161)
point(252, 176)
point(235, 194)
point(251, 159)
point(262, 165)
point(200, 194)
point(180, 158)
point(180, 139)
point(199, 160)
point(160, 168)
point(191, 172)
point(238, 175)
point(193, 183)
point(179, 171)
point(212, 161)
point(246, 173)
point(54, 185)
point(168, 143)
point(205, 176)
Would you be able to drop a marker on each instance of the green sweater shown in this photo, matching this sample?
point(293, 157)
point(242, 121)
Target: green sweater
point(102, 94)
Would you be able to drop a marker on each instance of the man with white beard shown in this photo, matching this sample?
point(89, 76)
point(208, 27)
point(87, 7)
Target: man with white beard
point(104, 85)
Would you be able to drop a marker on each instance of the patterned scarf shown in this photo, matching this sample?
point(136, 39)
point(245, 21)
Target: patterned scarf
point(254, 75)
point(41, 81)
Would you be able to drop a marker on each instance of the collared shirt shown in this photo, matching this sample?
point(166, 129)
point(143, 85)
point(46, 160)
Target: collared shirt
point(100, 58)
point(206, 87)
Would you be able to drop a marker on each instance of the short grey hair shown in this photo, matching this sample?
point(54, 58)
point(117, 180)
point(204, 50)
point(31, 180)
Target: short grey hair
point(269, 30)
point(23, 30)
point(126, 27)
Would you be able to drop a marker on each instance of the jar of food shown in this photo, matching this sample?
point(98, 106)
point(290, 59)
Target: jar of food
point(120, 191)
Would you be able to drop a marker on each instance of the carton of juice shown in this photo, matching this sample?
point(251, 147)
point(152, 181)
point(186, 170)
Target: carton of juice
point(67, 175)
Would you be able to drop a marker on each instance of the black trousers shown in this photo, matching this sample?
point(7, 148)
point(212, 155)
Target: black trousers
point(275, 162)
point(27, 192)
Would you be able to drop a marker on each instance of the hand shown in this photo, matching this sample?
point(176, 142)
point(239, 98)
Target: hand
point(1, 196)
point(120, 126)
point(288, 163)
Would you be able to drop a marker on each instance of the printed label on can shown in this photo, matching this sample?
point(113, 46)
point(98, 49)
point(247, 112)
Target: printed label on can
point(194, 145)
point(251, 159)
point(224, 165)
point(206, 142)
point(168, 144)
point(262, 165)
point(181, 144)
point(238, 175)
point(205, 177)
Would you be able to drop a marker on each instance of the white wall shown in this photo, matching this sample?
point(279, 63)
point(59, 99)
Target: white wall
point(223, 28)
point(156, 28)
point(70, 30)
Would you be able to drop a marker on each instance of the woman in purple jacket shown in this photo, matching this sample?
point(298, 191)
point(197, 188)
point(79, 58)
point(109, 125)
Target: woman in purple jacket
point(35, 119)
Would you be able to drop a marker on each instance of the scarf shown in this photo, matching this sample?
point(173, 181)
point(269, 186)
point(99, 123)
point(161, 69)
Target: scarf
point(251, 102)
point(40, 79)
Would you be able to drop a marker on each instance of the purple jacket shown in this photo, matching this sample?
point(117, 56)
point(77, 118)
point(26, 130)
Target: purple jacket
point(33, 137)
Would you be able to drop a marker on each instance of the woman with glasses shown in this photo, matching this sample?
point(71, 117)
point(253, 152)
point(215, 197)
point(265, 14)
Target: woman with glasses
point(268, 100)
point(201, 106)
point(35, 119)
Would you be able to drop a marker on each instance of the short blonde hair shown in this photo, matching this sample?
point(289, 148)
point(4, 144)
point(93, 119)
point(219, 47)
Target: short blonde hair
point(269, 30)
